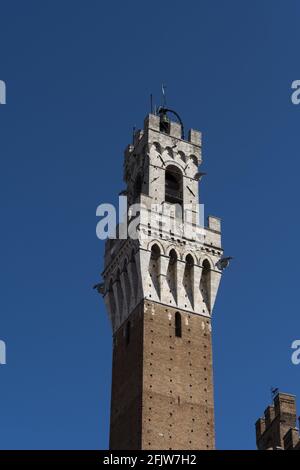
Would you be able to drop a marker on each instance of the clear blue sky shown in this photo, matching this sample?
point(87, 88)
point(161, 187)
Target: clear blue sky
point(78, 76)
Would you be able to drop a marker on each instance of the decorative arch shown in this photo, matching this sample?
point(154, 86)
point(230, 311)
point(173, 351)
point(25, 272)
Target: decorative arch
point(174, 185)
point(177, 166)
point(188, 253)
point(194, 159)
point(155, 146)
point(206, 257)
point(207, 262)
point(155, 251)
point(156, 242)
point(174, 248)
point(154, 268)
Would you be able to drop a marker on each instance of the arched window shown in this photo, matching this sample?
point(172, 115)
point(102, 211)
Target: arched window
point(189, 260)
point(173, 186)
point(178, 332)
point(154, 269)
point(206, 268)
point(164, 123)
point(173, 257)
point(155, 252)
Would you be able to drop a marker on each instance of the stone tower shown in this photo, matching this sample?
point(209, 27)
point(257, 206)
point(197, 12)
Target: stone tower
point(277, 429)
point(159, 288)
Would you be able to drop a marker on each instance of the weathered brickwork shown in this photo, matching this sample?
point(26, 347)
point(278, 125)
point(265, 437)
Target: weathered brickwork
point(177, 381)
point(127, 384)
point(277, 429)
point(162, 389)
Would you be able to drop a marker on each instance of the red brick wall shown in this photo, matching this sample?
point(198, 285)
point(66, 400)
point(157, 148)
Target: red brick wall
point(177, 381)
point(162, 390)
point(127, 382)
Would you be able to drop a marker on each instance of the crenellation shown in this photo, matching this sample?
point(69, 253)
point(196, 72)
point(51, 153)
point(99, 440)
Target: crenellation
point(277, 429)
point(195, 137)
point(214, 223)
point(175, 130)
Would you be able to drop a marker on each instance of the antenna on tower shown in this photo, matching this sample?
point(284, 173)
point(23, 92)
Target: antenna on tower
point(151, 103)
point(133, 133)
point(163, 90)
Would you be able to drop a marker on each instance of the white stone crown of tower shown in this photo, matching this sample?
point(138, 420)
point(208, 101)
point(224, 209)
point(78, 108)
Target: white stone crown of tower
point(161, 264)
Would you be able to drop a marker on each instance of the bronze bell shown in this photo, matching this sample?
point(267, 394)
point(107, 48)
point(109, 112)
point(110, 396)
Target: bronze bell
point(164, 122)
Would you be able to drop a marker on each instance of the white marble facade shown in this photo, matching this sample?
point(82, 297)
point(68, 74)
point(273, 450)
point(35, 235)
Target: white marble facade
point(163, 265)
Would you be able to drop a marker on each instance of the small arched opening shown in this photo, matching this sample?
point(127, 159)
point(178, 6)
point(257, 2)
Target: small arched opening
point(154, 269)
point(174, 187)
point(178, 325)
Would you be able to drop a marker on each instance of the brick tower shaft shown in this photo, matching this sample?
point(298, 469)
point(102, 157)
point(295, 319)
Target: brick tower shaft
point(167, 399)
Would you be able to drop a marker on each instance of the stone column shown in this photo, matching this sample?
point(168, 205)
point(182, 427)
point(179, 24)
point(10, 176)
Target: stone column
point(180, 287)
point(196, 289)
point(164, 288)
